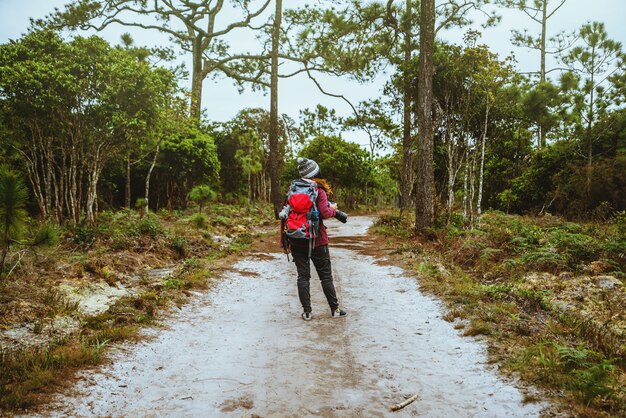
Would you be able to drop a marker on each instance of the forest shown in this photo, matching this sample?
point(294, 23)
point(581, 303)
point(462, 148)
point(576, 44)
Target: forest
point(88, 125)
point(106, 148)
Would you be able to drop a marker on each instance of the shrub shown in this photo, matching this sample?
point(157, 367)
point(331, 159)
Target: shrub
point(180, 245)
point(171, 282)
point(141, 205)
point(199, 220)
point(85, 235)
point(202, 195)
point(46, 236)
point(150, 226)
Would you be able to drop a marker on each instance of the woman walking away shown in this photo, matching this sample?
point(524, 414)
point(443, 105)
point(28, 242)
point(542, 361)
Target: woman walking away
point(307, 207)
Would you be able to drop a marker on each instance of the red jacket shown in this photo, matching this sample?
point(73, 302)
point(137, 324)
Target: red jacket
point(326, 211)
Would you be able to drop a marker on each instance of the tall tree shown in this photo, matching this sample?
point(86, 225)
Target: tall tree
point(593, 61)
point(407, 141)
point(197, 27)
point(425, 193)
point(275, 158)
point(539, 11)
point(73, 106)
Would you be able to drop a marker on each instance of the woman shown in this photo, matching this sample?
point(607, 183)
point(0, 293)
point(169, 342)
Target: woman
point(301, 248)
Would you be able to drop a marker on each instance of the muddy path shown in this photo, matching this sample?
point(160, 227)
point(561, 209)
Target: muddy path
point(242, 350)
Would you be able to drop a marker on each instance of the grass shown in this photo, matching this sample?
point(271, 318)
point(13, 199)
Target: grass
point(28, 374)
point(526, 284)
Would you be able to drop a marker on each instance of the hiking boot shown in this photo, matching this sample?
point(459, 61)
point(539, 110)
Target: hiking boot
point(307, 316)
point(338, 313)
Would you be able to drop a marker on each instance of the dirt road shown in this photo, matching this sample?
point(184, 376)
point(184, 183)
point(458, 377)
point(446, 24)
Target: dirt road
point(242, 349)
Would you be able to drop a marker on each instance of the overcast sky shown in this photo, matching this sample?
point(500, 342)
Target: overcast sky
point(222, 100)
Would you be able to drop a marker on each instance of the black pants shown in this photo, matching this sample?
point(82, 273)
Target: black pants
point(321, 261)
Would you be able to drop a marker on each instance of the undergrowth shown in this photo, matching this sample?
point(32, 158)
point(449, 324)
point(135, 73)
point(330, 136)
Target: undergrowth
point(510, 278)
point(93, 253)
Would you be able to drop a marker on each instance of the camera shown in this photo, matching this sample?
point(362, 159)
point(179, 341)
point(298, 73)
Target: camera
point(341, 216)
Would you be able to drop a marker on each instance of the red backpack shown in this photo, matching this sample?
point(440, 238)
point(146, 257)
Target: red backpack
point(300, 216)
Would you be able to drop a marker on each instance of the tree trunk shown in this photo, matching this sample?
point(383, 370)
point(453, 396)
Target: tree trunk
point(276, 195)
point(544, 20)
point(80, 170)
point(450, 163)
point(465, 178)
point(425, 175)
point(197, 76)
point(407, 183)
point(542, 70)
point(472, 182)
point(147, 190)
point(589, 169)
point(127, 197)
point(482, 165)
point(5, 247)
point(249, 188)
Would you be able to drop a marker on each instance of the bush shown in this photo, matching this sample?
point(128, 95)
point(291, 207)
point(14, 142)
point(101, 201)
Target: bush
point(150, 226)
point(180, 245)
point(202, 195)
point(199, 220)
point(46, 236)
point(394, 225)
point(85, 235)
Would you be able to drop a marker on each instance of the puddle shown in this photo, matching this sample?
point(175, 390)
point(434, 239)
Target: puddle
point(242, 349)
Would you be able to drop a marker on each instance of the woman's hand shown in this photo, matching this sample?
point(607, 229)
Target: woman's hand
point(333, 205)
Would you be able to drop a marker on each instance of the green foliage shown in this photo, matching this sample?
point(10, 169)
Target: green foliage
point(343, 163)
point(13, 198)
point(222, 220)
point(171, 282)
point(199, 220)
point(13, 215)
point(187, 158)
point(180, 245)
point(202, 195)
point(140, 203)
point(393, 225)
point(150, 226)
point(117, 98)
point(46, 236)
point(240, 243)
point(583, 371)
point(85, 235)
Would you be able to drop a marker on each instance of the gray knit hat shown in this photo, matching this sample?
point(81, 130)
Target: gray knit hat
point(307, 168)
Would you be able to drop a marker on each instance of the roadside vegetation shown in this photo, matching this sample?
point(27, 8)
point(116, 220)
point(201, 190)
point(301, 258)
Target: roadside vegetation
point(66, 304)
point(548, 295)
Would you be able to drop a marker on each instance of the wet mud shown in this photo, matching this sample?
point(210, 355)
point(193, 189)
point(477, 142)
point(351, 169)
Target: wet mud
point(241, 349)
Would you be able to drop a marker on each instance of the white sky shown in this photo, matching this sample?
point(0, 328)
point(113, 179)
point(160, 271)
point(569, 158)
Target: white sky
point(222, 100)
